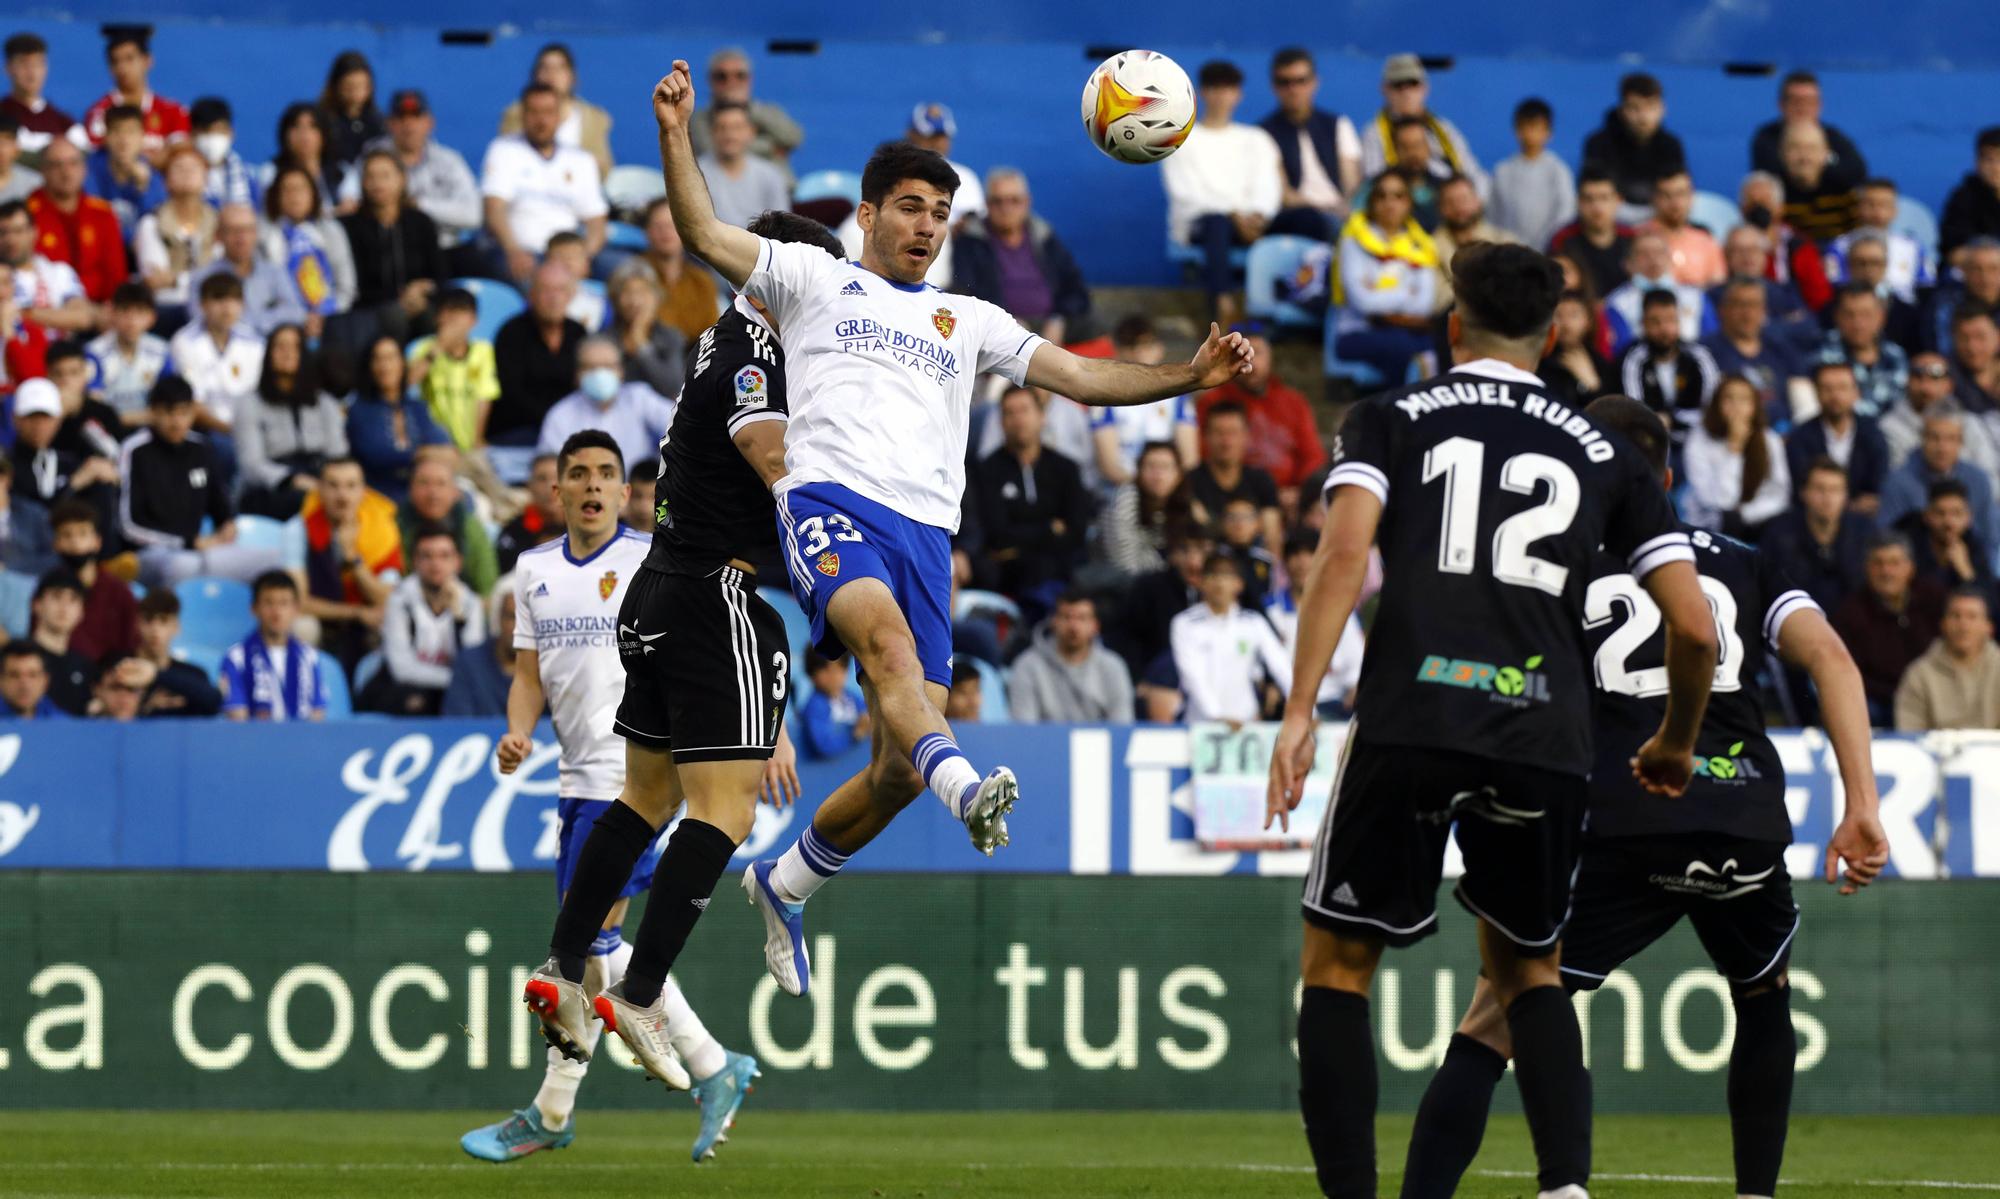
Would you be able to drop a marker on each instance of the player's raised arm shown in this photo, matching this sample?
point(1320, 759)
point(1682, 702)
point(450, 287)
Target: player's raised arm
point(1665, 763)
point(1109, 383)
point(1807, 642)
point(730, 250)
point(1332, 586)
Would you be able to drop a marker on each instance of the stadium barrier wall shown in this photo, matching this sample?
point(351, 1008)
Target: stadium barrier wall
point(269, 990)
point(424, 796)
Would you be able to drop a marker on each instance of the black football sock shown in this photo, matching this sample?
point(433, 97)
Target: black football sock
point(617, 840)
point(1555, 1088)
point(696, 856)
point(1760, 1087)
point(1337, 1090)
point(1451, 1121)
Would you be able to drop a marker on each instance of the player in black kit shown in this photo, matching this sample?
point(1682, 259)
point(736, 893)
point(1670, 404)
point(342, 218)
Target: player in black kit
point(1715, 856)
point(1489, 501)
point(705, 675)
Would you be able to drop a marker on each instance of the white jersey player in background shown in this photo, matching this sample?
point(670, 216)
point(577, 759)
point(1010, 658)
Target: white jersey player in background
point(880, 369)
point(567, 594)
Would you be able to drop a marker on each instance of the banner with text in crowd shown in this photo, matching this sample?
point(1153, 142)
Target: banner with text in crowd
point(424, 795)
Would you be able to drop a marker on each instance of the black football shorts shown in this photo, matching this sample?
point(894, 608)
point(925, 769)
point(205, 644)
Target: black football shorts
point(706, 666)
point(1379, 854)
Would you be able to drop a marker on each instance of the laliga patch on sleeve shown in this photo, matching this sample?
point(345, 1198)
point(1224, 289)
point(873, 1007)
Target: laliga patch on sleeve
point(753, 390)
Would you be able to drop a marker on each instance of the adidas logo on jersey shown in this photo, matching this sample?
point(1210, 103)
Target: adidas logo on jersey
point(854, 288)
point(540, 592)
point(1344, 896)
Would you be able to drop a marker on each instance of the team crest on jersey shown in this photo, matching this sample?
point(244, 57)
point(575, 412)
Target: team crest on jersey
point(828, 564)
point(945, 322)
point(607, 584)
point(751, 388)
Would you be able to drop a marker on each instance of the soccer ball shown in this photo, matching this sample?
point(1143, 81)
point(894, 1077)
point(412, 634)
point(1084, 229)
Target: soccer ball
point(1138, 106)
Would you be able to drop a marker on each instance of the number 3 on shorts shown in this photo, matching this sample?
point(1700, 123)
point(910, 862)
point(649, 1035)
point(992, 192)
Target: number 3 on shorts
point(813, 529)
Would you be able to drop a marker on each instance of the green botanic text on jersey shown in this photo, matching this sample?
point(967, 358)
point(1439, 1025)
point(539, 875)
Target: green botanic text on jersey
point(1507, 684)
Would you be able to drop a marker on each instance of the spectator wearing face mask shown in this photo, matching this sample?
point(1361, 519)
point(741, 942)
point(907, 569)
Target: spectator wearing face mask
point(633, 414)
point(230, 179)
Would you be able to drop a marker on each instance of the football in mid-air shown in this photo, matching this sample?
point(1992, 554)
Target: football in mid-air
point(1138, 106)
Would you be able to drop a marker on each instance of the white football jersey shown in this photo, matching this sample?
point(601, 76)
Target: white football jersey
point(566, 610)
point(880, 377)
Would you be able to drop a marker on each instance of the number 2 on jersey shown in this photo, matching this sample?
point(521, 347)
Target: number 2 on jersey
point(1642, 619)
point(1461, 462)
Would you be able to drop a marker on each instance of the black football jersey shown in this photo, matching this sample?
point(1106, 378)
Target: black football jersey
point(1496, 499)
point(1738, 787)
point(711, 506)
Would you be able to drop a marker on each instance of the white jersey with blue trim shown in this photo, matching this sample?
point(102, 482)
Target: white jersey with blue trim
point(566, 610)
point(880, 376)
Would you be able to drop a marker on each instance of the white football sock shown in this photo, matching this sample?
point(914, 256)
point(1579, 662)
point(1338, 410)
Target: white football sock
point(557, 1098)
point(702, 1054)
point(806, 866)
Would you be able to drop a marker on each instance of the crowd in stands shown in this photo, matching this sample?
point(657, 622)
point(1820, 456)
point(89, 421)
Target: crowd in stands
point(332, 385)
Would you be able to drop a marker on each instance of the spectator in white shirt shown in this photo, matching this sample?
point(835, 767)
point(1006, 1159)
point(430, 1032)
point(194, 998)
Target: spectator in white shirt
point(218, 355)
point(535, 188)
point(1223, 185)
point(1737, 474)
point(432, 617)
point(633, 414)
point(1226, 657)
point(47, 292)
point(128, 358)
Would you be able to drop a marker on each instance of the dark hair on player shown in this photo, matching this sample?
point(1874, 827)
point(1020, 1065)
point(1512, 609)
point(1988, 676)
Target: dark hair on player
point(222, 285)
point(1944, 489)
point(1291, 56)
point(1593, 174)
point(1640, 84)
point(429, 529)
point(1988, 139)
point(1219, 72)
point(644, 472)
point(1534, 108)
point(779, 225)
point(1226, 408)
point(893, 162)
point(1506, 291)
point(273, 580)
point(1637, 424)
point(132, 294)
point(159, 603)
point(589, 439)
point(21, 45)
point(1824, 465)
point(63, 351)
point(169, 391)
point(72, 512)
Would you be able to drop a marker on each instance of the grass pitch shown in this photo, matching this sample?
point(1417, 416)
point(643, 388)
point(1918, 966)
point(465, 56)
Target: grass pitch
point(778, 1155)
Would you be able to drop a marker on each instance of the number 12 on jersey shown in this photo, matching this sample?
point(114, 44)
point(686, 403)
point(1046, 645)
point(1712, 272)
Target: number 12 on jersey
point(1461, 463)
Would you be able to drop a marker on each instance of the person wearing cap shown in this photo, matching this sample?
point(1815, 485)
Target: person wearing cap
point(230, 179)
point(778, 135)
point(933, 127)
point(46, 473)
point(741, 184)
point(1223, 185)
point(1406, 92)
point(16, 181)
point(1284, 438)
point(440, 183)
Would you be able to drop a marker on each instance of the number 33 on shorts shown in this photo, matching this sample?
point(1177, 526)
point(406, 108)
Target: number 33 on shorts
point(814, 533)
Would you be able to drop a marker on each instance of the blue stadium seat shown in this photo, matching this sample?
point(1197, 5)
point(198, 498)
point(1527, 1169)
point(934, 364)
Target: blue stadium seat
point(1188, 258)
point(1716, 213)
point(339, 698)
point(208, 658)
point(1915, 218)
point(1003, 612)
point(992, 692)
point(260, 532)
point(1364, 377)
point(622, 236)
point(214, 612)
point(828, 185)
point(366, 669)
point(798, 633)
point(16, 592)
point(1271, 259)
point(628, 189)
point(498, 302)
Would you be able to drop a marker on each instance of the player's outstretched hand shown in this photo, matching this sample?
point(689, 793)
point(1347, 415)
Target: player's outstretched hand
point(1291, 762)
point(781, 773)
point(673, 97)
point(1662, 769)
point(511, 751)
point(1221, 356)
point(1861, 841)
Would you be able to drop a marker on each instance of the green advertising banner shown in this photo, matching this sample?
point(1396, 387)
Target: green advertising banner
point(929, 991)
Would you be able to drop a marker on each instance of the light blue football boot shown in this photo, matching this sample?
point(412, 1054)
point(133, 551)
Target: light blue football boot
point(516, 1137)
point(719, 1095)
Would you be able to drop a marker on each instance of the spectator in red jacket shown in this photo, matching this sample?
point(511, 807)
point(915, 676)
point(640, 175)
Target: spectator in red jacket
point(1284, 439)
point(110, 614)
point(75, 228)
point(130, 56)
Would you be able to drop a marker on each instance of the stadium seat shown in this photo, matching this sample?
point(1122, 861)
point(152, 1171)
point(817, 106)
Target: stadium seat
point(1272, 259)
point(798, 633)
point(513, 463)
point(1364, 377)
point(498, 302)
point(339, 698)
point(214, 612)
point(1716, 213)
point(16, 592)
point(1003, 612)
point(207, 658)
point(827, 196)
point(620, 235)
point(1915, 218)
point(629, 189)
point(260, 532)
point(1188, 258)
point(366, 669)
point(594, 287)
point(992, 692)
